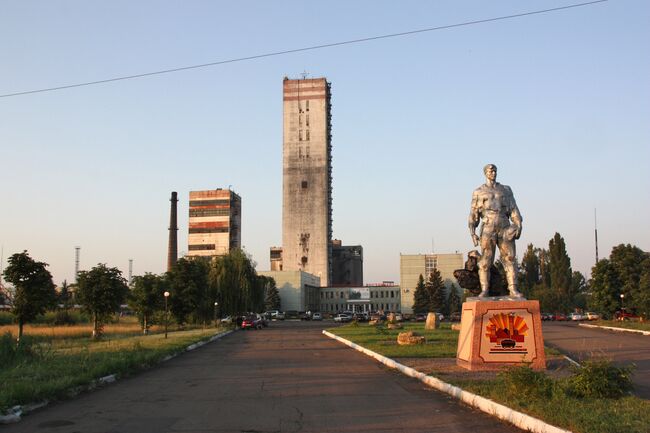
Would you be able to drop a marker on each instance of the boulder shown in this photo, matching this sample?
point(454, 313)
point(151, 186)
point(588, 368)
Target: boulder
point(391, 318)
point(455, 326)
point(433, 321)
point(394, 326)
point(410, 337)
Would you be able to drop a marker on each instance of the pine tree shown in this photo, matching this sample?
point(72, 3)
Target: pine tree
point(560, 267)
point(437, 292)
point(529, 275)
point(421, 300)
point(272, 301)
point(454, 301)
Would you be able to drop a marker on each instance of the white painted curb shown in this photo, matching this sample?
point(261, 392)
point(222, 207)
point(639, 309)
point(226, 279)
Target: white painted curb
point(518, 419)
point(613, 328)
point(15, 413)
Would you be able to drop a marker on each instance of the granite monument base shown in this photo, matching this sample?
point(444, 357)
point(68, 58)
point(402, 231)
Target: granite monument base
point(499, 333)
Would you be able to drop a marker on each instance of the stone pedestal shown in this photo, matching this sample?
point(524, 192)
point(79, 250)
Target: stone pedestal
point(500, 333)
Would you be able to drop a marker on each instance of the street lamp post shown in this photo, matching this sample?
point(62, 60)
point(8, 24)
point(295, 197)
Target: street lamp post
point(622, 299)
point(216, 305)
point(166, 294)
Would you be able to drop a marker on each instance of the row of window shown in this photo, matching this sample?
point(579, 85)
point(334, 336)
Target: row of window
point(209, 212)
point(202, 247)
point(373, 307)
point(209, 230)
point(211, 202)
point(342, 294)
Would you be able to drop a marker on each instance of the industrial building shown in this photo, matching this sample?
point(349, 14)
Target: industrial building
point(347, 264)
point(372, 297)
point(215, 222)
point(413, 265)
point(298, 290)
point(307, 179)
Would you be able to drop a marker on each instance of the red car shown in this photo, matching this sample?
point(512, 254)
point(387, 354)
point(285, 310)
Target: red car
point(560, 317)
point(626, 314)
point(251, 322)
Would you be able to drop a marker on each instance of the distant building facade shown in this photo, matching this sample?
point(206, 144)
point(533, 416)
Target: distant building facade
point(347, 265)
point(414, 265)
point(298, 290)
point(373, 297)
point(306, 179)
point(214, 222)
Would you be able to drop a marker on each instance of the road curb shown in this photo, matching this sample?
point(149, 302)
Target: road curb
point(518, 419)
point(16, 413)
point(614, 328)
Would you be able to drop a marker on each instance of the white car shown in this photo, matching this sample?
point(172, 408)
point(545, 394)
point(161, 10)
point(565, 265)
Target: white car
point(576, 316)
point(342, 318)
point(592, 316)
point(316, 316)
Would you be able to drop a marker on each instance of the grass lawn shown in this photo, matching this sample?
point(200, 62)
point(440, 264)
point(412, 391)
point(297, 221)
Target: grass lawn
point(53, 368)
point(543, 398)
point(628, 324)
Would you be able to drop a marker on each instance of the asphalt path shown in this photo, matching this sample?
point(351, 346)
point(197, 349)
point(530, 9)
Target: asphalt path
point(286, 378)
point(624, 348)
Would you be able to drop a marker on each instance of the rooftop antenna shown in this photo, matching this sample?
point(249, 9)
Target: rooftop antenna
point(77, 251)
point(304, 75)
point(596, 234)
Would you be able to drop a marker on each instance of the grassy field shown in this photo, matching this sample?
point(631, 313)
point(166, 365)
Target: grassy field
point(521, 389)
point(55, 366)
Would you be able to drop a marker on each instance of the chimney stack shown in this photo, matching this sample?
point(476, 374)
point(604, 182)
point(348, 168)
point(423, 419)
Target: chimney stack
point(172, 250)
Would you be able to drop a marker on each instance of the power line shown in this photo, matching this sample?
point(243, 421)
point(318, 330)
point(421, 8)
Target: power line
point(298, 50)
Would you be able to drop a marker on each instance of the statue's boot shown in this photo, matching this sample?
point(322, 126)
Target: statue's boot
point(512, 287)
point(484, 278)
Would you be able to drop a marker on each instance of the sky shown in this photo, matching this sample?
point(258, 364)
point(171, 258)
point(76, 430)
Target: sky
point(560, 102)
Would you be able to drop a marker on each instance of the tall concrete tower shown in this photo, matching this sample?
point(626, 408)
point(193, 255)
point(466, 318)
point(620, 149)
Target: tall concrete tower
point(307, 178)
point(215, 222)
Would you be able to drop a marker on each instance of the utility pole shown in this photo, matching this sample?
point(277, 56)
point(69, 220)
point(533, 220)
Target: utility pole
point(130, 271)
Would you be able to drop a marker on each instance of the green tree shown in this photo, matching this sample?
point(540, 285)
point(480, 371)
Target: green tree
point(64, 297)
point(579, 290)
point(560, 268)
point(544, 267)
point(147, 297)
point(236, 283)
point(454, 301)
point(529, 275)
point(437, 292)
point(642, 298)
point(101, 291)
point(421, 300)
point(627, 261)
point(272, 301)
point(190, 291)
point(604, 287)
point(34, 291)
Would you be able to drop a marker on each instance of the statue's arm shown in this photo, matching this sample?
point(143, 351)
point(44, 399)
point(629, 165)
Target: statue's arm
point(474, 217)
point(515, 215)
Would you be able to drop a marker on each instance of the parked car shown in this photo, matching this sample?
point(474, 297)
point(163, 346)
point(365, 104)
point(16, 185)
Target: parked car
point(398, 317)
point(342, 318)
point(576, 317)
point(420, 317)
point(317, 316)
point(280, 315)
point(251, 322)
point(592, 316)
point(263, 319)
point(626, 314)
point(226, 320)
point(559, 317)
point(547, 316)
point(304, 315)
point(454, 317)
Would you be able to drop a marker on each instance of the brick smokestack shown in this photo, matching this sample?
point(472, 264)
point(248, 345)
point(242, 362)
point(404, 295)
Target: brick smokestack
point(172, 250)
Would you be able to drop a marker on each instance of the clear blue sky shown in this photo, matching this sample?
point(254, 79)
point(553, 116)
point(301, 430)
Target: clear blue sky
point(559, 101)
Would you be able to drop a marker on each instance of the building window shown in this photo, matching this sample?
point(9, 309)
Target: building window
point(300, 120)
point(307, 120)
point(307, 105)
point(303, 184)
point(392, 293)
point(300, 135)
point(307, 135)
point(202, 247)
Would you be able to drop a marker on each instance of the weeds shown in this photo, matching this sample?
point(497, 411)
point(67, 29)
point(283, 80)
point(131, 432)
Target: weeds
point(599, 379)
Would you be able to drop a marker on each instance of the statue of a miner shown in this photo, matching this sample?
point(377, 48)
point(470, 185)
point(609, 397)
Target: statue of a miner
point(494, 206)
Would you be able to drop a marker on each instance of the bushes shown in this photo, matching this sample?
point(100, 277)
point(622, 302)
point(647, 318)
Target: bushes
point(600, 379)
point(12, 353)
point(6, 318)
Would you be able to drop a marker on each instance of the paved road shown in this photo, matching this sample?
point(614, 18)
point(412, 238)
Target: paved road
point(622, 347)
point(287, 378)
